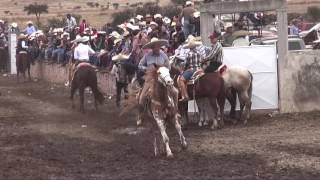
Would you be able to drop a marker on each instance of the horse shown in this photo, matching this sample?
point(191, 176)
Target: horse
point(85, 76)
point(238, 82)
point(162, 106)
point(209, 87)
point(23, 64)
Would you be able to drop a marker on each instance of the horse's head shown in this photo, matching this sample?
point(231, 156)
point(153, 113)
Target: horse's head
point(164, 76)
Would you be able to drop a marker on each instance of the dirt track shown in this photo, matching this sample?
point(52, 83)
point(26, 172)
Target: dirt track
point(41, 137)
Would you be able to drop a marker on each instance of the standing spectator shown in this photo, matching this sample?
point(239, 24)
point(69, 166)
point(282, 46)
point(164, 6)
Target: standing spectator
point(294, 30)
point(196, 21)
point(122, 79)
point(30, 28)
point(187, 16)
point(71, 23)
point(83, 26)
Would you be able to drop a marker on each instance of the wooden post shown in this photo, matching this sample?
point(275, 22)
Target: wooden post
point(206, 24)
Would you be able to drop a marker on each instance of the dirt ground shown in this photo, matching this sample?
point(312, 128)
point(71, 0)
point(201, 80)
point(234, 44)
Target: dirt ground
point(42, 138)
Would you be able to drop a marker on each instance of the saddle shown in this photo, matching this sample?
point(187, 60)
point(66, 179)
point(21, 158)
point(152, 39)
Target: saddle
point(196, 75)
point(83, 64)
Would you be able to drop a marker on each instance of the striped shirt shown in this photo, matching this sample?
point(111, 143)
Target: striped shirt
point(150, 59)
point(193, 60)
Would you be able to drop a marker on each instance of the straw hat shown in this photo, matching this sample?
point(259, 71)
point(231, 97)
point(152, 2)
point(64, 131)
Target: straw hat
point(139, 17)
point(157, 16)
point(14, 25)
point(142, 23)
point(188, 3)
point(192, 43)
point(196, 14)
point(78, 39)
point(173, 24)
point(121, 26)
point(120, 57)
point(155, 42)
point(166, 20)
point(116, 41)
point(29, 22)
point(22, 36)
point(115, 34)
point(148, 16)
point(153, 23)
point(85, 39)
point(126, 33)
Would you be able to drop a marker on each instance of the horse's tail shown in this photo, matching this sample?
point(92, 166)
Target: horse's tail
point(98, 95)
point(250, 87)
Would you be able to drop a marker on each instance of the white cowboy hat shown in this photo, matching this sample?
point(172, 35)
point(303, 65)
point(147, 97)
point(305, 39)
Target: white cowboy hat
point(102, 32)
point(14, 25)
point(173, 24)
point(120, 57)
point(126, 33)
point(29, 22)
point(166, 20)
point(188, 3)
point(58, 30)
point(142, 23)
point(78, 39)
point(132, 27)
point(139, 17)
point(153, 23)
point(132, 21)
point(22, 36)
point(155, 41)
point(192, 43)
point(85, 39)
point(115, 34)
point(157, 16)
point(121, 26)
point(1, 21)
point(196, 14)
point(116, 41)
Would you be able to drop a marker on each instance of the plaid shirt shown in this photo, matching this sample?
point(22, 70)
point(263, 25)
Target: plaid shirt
point(193, 60)
point(215, 53)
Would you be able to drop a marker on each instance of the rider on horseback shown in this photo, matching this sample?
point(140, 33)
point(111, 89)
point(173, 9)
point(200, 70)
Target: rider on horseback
point(213, 60)
point(192, 65)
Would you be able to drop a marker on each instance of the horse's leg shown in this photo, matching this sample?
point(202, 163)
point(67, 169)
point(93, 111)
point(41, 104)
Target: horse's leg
point(81, 94)
point(162, 128)
point(29, 75)
point(213, 103)
point(178, 128)
point(232, 98)
point(221, 102)
point(200, 110)
point(155, 145)
point(245, 102)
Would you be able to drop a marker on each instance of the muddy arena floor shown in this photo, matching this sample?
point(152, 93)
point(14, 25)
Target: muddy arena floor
point(43, 138)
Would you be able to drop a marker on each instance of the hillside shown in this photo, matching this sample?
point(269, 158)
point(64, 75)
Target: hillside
point(12, 10)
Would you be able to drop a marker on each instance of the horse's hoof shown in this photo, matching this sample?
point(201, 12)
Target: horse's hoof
point(184, 146)
point(200, 124)
point(214, 128)
point(170, 155)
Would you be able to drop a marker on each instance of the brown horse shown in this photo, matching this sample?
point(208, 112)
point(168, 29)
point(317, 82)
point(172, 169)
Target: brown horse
point(208, 87)
point(85, 76)
point(23, 64)
point(162, 106)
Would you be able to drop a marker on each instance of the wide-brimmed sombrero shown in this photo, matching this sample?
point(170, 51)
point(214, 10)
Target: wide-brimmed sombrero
point(29, 22)
point(120, 57)
point(192, 42)
point(115, 34)
point(14, 25)
point(22, 36)
point(116, 41)
point(155, 42)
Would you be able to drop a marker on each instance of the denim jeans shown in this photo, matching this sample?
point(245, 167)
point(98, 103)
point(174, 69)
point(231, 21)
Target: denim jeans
point(58, 54)
point(188, 29)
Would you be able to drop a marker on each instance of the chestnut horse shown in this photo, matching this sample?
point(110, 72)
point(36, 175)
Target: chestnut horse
point(23, 64)
point(162, 106)
point(85, 76)
point(209, 87)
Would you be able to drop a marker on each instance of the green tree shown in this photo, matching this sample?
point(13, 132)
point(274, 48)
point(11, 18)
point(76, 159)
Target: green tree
point(314, 13)
point(36, 9)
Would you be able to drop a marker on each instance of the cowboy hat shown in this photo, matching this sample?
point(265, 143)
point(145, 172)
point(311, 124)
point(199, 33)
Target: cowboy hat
point(1, 21)
point(166, 20)
point(132, 21)
point(78, 39)
point(153, 23)
point(192, 43)
point(121, 26)
point(139, 17)
point(126, 33)
point(116, 41)
point(228, 25)
point(188, 3)
point(173, 24)
point(142, 23)
point(14, 25)
point(115, 34)
point(120, 57)
point(58, 30)
point(102, 32)
point(196, 14)
point(157, 16)
point(85, 39)
point(29, 22)
point(214, 35)
point(155, 41)
point(148, 16)
point(22, 36)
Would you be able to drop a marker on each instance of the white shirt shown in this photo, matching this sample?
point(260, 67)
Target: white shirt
point(82, 52)
point(71, 23)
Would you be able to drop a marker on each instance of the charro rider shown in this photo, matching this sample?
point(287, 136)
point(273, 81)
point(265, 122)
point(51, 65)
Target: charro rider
point(213, 59)
point(192, 64)
point(156, 56)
